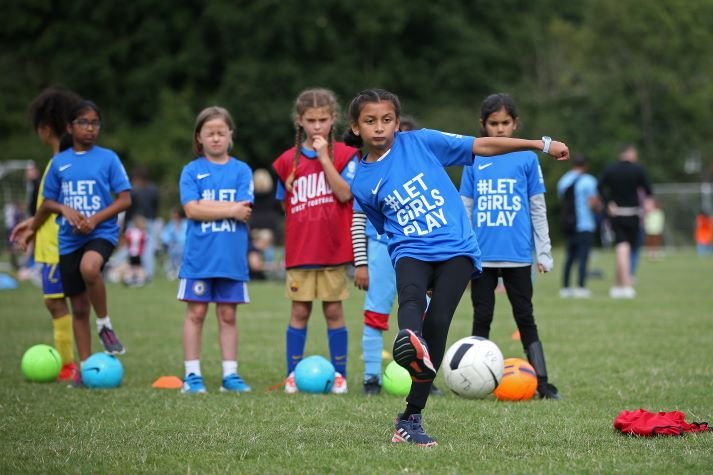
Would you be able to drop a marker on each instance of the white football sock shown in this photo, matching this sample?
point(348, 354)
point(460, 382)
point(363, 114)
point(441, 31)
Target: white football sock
point(193, 366)
point(103, 322)
point(230, 367)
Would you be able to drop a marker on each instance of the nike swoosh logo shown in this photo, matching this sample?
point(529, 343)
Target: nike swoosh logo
point(64, 167)
point(376, 189)
point(484, 166)
point(200, 176)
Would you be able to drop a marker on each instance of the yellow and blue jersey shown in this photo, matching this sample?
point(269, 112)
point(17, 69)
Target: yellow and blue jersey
point(46, 240)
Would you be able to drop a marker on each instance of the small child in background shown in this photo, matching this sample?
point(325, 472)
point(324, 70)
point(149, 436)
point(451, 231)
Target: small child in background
point(49, 114)
point(135, 237)
point(88, 186)
point(216, 193)
point(173, 238)
point(508, 232)
point(314, 185)
point(704, 233)
point(261, 256)
point(654, 222)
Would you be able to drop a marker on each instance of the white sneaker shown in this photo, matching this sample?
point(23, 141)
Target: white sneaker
point(290, 384)
point(581, 293)
point(566, 293)
point(622, 293)
point(340, 384)
point(628, 293)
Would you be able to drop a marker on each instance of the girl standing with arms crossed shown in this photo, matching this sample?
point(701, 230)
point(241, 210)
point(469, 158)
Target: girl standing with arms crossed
point(314, 186)
point(217, 195)
point(49, 114)
point(402, 187)
point(79, 188)
point(505, 198)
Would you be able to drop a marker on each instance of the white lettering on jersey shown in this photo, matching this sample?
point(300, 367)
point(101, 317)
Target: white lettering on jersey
point(497, 204)
point(418, 208)
point(219, 225)
point(310, 190)
point(80, 196)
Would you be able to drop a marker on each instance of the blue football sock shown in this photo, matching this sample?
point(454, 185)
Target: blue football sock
point(338, 342)
point(295, 346)
point(372, 346)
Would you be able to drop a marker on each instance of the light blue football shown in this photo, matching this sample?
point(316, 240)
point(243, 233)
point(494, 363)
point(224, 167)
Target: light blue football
point(102, 371)
point(314, 374)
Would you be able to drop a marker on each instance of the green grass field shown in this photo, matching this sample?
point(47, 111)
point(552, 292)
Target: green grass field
point(604, 355)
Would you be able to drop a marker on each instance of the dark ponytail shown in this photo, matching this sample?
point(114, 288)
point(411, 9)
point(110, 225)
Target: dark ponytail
point(65, 142)
point(352, 139)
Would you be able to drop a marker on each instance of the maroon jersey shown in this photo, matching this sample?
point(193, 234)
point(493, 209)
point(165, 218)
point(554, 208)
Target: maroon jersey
point(135, 241)
point(317, 225)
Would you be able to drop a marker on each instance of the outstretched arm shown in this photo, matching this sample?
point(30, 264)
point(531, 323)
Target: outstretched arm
point(489, 146)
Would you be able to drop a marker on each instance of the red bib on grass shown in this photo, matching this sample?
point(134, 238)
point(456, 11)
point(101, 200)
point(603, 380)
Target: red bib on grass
point(644, 423)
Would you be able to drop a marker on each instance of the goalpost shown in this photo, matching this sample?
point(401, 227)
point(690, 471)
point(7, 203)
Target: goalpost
point(681, 202)
point(13, 191)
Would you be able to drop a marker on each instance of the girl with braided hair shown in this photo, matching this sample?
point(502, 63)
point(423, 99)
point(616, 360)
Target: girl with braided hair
point(314, 180)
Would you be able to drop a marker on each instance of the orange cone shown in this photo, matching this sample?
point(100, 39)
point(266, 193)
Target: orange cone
point(168, 382)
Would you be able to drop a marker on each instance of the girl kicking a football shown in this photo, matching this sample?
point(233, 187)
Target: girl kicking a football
point(405, 192)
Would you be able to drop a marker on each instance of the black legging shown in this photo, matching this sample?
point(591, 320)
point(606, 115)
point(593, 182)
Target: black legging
point(447, 280)
point(518, 285)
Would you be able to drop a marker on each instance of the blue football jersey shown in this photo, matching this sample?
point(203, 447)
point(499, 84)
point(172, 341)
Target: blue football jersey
point(216, 248)
point(408, 196)
point(86, 182)
point(501, 187)
point(370, 229)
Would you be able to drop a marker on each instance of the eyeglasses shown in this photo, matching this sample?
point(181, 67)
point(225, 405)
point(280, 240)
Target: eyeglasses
point(84, 123)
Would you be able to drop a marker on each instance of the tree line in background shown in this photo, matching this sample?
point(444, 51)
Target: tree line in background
point(594, 73)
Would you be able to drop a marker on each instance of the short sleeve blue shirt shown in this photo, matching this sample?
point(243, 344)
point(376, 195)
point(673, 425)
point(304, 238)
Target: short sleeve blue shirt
point(501, 187)
point(217, 248)
point(585, 189)
point(408, 196)
point(86, 182)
